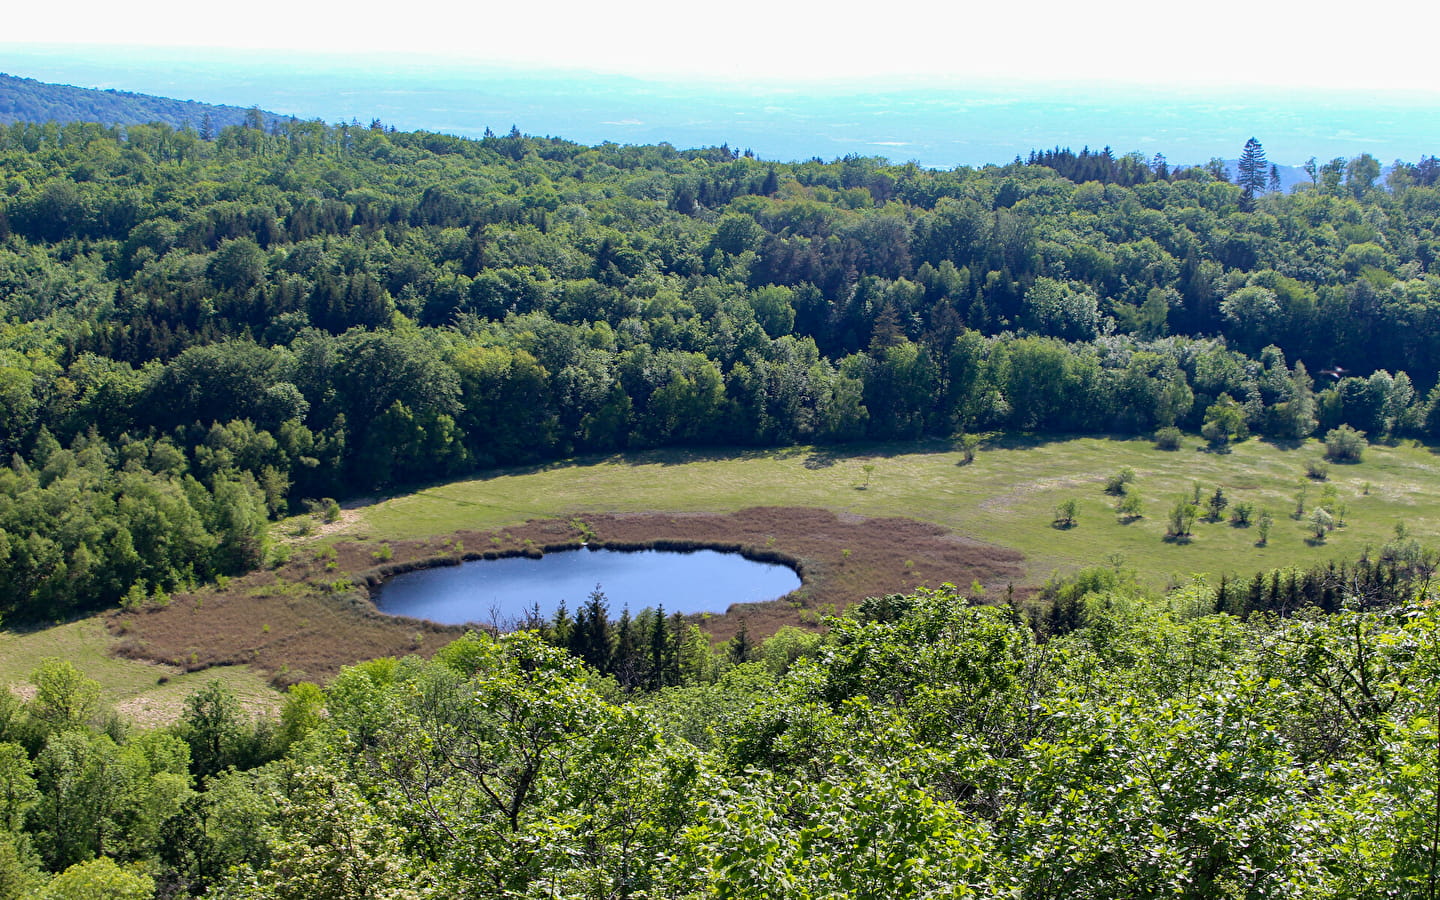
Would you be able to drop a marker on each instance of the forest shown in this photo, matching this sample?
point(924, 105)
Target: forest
point(924, 746)
point(28, 100)
point(202, 332)
point(199, 335)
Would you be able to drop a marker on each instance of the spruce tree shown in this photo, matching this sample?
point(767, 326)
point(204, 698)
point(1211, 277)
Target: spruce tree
point(1253, 170)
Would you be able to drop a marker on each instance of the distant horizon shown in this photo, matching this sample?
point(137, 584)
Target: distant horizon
point(936, 122)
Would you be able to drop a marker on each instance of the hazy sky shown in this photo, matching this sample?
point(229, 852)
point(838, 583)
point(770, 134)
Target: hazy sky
point(1044, 40)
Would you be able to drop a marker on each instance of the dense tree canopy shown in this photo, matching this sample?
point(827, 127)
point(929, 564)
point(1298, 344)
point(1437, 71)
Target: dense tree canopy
point(1127, 746)
point(198, 333)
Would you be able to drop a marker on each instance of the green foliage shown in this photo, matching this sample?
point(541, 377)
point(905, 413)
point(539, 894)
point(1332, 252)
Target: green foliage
point(98, 879)
point(204, 328)
point(1215, 506)
point(65, 699)
point(1116, 483)
point(1167, 438)
point(1263, 526)
point(1224, 422)
point(1344, 444)
point(1065, 513)
point(1242, 514)
point(1100, 743)
point(1181, 520)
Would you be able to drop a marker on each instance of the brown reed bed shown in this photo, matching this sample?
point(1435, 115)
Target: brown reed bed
point(306, 619)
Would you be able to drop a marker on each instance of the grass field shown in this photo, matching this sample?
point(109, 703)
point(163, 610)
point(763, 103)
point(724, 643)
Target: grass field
point(1007, 496)
point(140, 691)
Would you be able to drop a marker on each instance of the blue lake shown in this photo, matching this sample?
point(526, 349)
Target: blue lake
point(503, 592)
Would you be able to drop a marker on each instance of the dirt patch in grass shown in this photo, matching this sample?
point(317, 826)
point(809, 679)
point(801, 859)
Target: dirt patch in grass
point(313, 615)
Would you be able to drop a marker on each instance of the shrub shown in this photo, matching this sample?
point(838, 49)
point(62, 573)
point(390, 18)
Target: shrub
point(1115, 484)
point(1344, 444)
point(1241, 514)
point(1317, 469)
point(1167, 438)
point(1182, 518)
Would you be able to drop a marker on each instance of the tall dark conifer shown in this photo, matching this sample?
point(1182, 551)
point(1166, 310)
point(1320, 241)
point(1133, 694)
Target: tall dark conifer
point(1253, 170)
point(628, 655)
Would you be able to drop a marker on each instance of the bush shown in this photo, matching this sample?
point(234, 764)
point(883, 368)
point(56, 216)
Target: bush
point(1115, 484)
point(1167, 438)
point(1317, 469)
point(1344, 444)
point(1182, 518)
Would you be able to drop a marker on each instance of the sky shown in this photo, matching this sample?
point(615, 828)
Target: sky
point(1222, 43)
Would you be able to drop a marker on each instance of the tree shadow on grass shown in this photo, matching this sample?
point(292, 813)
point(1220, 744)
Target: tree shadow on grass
point(1280, 443)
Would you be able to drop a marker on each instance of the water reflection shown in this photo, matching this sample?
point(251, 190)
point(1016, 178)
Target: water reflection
point(505, 592)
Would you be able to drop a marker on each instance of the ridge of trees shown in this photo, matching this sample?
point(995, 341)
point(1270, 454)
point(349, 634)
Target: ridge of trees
point(29, 100)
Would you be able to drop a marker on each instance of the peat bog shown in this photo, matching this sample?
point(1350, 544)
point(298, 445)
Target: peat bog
point(312, 615)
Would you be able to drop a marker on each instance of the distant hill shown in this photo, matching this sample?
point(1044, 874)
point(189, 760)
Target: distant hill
point(1289, 175)
point(28, 100)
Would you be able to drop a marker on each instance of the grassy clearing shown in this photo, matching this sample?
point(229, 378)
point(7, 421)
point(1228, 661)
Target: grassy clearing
point(1007, 496)
point(134, 688)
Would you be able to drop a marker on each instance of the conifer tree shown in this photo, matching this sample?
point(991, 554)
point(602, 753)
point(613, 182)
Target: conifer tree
point(1252, 169)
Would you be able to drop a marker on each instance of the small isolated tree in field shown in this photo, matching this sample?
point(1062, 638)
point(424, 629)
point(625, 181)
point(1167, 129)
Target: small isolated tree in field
point(1128, 507)
point(1241, 514)
point(1116, 483)
point(967, 445)
point(1065, 513)
point(1262, 528)
point(1182, 518)
point(1217, 503)
point(1167, 438)
point(1320, 523)
point(869, 470)
point(1344, 444)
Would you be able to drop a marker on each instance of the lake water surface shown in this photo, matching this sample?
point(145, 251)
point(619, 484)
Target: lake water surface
point(504, 591)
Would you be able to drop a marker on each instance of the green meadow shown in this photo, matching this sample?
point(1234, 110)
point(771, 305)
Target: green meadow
point(1006, 496)
point(140, 691)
